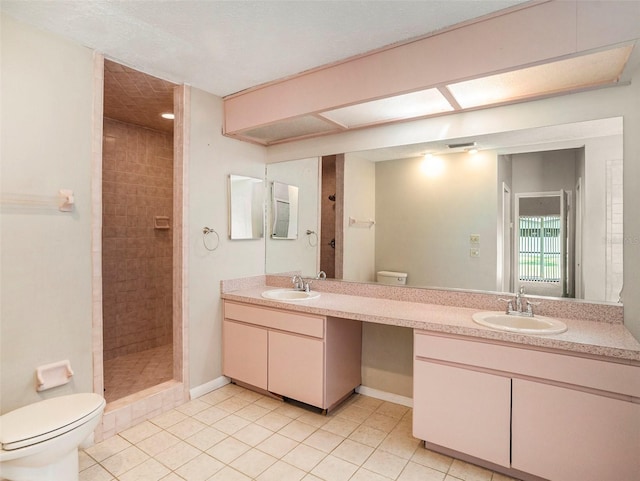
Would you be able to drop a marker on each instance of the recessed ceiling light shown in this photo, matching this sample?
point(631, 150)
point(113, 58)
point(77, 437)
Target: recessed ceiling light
point(167, 115)
point(590, 70)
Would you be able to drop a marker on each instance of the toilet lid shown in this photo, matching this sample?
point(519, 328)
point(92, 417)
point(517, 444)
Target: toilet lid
point(47, 419)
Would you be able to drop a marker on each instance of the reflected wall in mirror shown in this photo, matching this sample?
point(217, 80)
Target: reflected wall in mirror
point(448, 219)
point(246, 207)
point(284, 211)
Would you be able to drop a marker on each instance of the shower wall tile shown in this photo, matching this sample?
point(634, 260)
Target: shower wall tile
point(137, 174)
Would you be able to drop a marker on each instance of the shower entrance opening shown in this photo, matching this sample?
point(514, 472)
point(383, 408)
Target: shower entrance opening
point(137, 233)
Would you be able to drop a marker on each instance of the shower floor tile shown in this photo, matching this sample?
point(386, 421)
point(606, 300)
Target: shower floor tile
point(131, 373)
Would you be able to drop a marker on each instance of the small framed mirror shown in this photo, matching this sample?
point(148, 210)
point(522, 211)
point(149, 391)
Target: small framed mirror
point(246, 207)
point(284, 211)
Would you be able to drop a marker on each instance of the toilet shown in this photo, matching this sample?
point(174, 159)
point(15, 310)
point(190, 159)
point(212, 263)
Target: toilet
point(39, 442)
point(392, 278)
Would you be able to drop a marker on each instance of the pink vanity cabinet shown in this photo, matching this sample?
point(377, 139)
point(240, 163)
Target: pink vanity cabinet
point(512, 408)
point(309, 358)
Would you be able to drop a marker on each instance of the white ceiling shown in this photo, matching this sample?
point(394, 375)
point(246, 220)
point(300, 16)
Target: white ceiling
point(227, 46)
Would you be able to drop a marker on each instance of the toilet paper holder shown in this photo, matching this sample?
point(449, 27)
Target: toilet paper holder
point(52, 375)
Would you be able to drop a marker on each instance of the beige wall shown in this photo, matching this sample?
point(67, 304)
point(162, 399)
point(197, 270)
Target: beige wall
point(46, 254)
point(212, 158)
point(137, 185)
point(432, 217)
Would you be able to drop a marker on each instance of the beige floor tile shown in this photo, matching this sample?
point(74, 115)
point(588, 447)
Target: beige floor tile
point(107, 448)
point(289, 410)
point(323, 440)
point(141, 431)
point(469, 472)
point(366, 402)
point(229, 474)
point(268, 403)
point(381, 422)
point(177, 455)
point(296, 430)
point(363, 474)
point(158, 442)
point(200, 468)
point(233, 404)
point(206, 438)
point(277, 445)
point(193, 407)
point(231, 424)
point(186, 428)
point(172, 477)
point(250, 396)
point(386, 464)
point(125, 460)
point(502, 477)
point(150, 470)
point(228, 450)
point(313, 419)
point(211, 415)
point(432, 459)
point(340, 426)
point(311, 477)
point(304, 457)
point(95, 473)
point(214, 397)
point(253, 463)
point(281, 471)
point(352, 451)
point(368, 435)
point(274, 421)
point(169, 418)
point(334, 469)
point(252, 434)
point(417, 472)
point(400, 446)
point(392, 410)
point(85, 461)
point(354, 413)
point(252, 412)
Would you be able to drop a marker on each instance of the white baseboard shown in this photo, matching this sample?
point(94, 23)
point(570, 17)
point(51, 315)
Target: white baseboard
point(385, 396)
point(207, 387)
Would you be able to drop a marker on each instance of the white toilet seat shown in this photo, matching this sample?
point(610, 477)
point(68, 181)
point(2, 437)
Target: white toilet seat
point(47, 419)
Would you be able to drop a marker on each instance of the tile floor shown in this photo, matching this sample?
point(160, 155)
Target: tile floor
point(150, 367)
point(235, 434)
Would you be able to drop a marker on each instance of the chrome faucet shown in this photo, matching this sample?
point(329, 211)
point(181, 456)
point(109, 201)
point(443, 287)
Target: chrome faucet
point(299, 283)
point(520, 302)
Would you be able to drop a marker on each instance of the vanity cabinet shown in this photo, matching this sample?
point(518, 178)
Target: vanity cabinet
point(554, 416)
point(309, 358)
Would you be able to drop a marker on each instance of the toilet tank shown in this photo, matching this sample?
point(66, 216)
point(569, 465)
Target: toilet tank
point(392, 278)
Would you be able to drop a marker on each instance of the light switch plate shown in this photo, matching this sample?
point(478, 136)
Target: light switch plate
point(474, 239)
point(474, 252)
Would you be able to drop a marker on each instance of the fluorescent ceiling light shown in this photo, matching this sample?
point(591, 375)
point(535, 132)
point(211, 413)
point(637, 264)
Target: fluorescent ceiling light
point(406, 106)
point(579, 72)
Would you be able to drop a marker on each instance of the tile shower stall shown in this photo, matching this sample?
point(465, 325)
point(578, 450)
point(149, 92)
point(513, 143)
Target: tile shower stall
point(137, 183)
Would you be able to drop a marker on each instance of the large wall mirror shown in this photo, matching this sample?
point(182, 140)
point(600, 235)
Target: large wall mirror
point(538, 207)
point(246, 207)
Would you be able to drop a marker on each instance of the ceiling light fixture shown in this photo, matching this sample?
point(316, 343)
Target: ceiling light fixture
point(168, 115)
point(463, 145)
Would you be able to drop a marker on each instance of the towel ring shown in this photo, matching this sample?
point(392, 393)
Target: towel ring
point(205, 232)
point(312, 233)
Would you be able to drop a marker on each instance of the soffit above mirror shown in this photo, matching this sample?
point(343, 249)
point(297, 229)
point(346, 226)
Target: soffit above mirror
point(452, 72)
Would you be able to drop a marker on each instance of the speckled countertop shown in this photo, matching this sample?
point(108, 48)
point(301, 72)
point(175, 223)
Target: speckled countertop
point(601, 339)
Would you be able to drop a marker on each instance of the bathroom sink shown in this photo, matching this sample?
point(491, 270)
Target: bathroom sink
point(522, 324)
point(289, 295)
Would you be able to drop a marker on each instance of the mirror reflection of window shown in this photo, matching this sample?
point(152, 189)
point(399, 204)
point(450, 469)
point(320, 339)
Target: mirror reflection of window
point(284, 211)
point(246, 207)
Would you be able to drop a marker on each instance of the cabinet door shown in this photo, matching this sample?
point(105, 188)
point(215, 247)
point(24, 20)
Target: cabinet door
point(467, 411)
point(566, 435)
point(296, 367)
point(244, 353)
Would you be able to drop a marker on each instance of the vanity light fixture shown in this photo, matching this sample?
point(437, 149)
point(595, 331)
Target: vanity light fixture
point(168, 115)
point(472, 151)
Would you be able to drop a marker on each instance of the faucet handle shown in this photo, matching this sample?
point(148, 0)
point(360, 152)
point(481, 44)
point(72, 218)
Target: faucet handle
point(509, 304)
point(530, 306)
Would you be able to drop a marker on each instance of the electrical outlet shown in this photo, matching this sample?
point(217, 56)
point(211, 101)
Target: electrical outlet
point(474, 239)
point(474, 252)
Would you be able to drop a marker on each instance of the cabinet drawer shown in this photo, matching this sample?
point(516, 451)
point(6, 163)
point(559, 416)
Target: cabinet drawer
point(305, 324)
point(591, 373)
